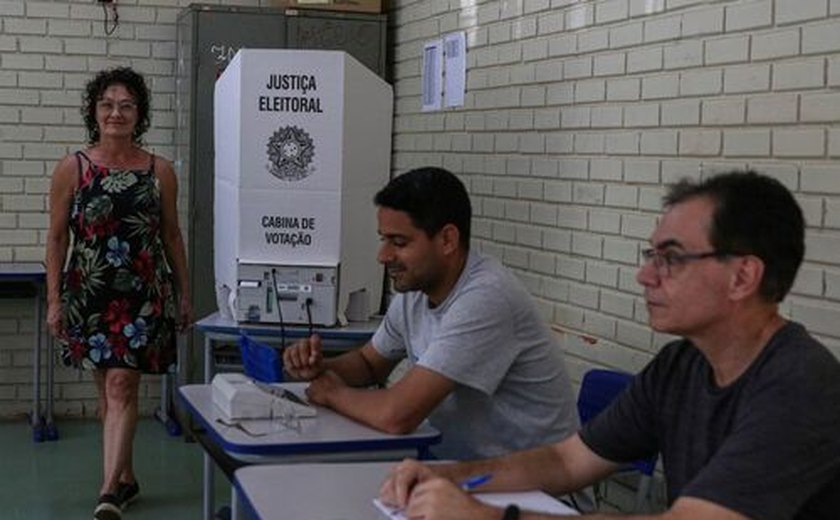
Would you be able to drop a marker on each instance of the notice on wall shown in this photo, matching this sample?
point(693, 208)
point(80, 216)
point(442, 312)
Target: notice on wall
point(432, 78)
point(455, 68)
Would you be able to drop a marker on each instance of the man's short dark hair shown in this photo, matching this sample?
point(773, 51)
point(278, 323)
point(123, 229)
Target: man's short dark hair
point(756, 215)
point(133, 82)
point(432, 197)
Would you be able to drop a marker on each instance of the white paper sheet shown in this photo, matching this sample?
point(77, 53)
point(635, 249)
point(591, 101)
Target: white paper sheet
point(536, 501)
point(455, 75)
point(432, 78)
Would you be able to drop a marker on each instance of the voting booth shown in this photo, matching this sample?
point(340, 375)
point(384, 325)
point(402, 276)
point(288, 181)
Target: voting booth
point(302, 141)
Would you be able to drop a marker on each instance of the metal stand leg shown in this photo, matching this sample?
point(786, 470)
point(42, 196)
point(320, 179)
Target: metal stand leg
point(168, 413)
point(235, 509)
point(163, 413)
point(209, 481)
point(36, 419)
point(50, 430)
point(209, 488)
point(208, 360)
point(163, 408)
point(168, 385)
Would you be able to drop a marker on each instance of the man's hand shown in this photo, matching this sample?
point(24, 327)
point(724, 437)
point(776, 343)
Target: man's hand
point(440, 499)
point(320, 388)
point(304, 360)
point(397, 487)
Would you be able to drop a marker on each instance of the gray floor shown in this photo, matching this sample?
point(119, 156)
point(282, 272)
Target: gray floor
point(60, 479)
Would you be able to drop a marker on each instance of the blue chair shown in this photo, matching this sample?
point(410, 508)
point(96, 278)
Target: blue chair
point(261, 362)
point(597, 390)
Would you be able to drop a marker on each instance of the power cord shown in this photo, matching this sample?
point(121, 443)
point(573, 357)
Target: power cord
point(113, 4)
point(279, 309)
point(309, 314)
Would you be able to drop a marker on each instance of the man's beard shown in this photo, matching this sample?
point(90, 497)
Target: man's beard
point(405, 282)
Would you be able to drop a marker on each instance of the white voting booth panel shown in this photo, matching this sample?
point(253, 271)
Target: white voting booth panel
point(303, 141)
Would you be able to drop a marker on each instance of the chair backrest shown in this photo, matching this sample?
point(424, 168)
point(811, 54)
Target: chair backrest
point(261, 362)
point(597, 390)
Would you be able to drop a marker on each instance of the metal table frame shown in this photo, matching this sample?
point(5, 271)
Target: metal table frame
point(34, 273)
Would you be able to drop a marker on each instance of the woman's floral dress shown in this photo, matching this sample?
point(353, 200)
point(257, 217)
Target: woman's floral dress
point(117, 291)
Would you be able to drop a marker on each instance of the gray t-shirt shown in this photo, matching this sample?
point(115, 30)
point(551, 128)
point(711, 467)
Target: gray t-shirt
point(767, 445)
point(512, 391)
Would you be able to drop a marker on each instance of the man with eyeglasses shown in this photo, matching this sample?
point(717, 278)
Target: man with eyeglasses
point(744, 409)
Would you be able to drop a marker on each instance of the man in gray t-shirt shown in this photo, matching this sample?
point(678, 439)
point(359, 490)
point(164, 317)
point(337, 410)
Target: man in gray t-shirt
point(483, 365)
point(511, 387)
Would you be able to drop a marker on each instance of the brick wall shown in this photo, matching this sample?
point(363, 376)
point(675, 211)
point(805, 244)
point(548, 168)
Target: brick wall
point(578, 113)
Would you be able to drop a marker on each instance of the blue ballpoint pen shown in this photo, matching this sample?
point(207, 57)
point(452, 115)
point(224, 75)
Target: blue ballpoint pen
point(473, 482)
point(466, 485)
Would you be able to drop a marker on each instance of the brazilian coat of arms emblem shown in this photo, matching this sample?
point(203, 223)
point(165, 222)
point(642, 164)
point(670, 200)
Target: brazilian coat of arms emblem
point(290, 153)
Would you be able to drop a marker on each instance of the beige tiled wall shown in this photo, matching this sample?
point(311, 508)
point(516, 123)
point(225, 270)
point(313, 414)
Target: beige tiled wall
point(578, 115)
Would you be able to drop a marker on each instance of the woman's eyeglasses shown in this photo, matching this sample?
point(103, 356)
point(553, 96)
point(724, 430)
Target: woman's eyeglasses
point(123, 107)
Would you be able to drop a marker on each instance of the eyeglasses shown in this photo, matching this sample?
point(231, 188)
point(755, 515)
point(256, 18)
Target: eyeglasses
point(256, 428)
point(665, 261)
point(281, 418)
point(283, 415)
point(123, 107)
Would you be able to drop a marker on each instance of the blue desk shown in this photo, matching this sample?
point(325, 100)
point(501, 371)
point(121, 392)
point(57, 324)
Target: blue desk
point(341, 491)
point(327, 437)
point(34, 273)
